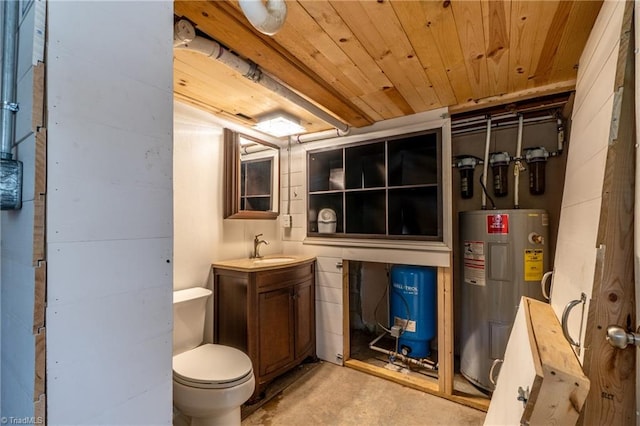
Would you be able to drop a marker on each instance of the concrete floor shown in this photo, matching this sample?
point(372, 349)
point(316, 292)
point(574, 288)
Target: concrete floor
point(333, 395)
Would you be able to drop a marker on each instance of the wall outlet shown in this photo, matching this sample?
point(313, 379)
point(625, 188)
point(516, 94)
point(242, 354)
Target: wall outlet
point(286, 221)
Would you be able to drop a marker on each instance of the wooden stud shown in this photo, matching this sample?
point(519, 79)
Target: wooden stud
point(612, 371)
point(445, 330)
point(39, 296)
point(40, 410)
point(560, 388)
point(40, 365)
point(38, 106)
point(40, 183)
point(526, 94)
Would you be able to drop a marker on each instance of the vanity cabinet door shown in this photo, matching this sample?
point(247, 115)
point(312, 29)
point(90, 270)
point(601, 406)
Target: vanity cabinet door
point(304, 308)
point(275, 329)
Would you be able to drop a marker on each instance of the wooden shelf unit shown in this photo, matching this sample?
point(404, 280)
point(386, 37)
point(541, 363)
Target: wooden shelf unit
point(386, 188)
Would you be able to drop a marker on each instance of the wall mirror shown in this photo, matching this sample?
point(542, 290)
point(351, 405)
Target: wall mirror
point(251, 177)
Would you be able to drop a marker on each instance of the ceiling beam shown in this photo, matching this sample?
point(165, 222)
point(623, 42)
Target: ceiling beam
point(225, 23)
point(492, 101)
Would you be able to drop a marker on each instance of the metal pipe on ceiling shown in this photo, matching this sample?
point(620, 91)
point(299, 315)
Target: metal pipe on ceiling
point(502, 124)
point(185, 38)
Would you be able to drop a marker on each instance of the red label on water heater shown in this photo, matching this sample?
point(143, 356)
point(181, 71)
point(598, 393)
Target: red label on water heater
point(498, 224)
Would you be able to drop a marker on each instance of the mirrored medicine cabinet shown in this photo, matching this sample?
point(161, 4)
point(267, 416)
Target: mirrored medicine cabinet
point(251, 177)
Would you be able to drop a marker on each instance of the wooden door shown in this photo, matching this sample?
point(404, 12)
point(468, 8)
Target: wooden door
point(594, 254)
point(304, 308)
point(275, 330)
point(636, 250)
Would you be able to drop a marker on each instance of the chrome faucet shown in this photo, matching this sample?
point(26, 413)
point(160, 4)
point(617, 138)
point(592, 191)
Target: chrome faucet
point(257, 242)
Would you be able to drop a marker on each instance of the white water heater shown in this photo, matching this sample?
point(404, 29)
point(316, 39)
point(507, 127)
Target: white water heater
point(503, 256)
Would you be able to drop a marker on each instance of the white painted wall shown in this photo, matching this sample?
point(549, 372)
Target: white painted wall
point(580, 212)
point(17, 341)
point(202, 236)
point(109, 212)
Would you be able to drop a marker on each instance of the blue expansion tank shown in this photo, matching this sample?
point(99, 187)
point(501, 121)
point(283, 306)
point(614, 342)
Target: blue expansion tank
point(412, 303)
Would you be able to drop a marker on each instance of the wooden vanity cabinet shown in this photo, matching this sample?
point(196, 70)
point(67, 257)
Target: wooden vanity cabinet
point(268, 314)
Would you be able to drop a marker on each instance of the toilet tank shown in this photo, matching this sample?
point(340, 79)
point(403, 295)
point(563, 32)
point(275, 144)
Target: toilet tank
point(189, 308)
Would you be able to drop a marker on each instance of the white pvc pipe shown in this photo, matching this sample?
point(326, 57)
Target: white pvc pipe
point(325, 134)
point(485, 166)
point(267, 18)
point(184, 38)
point(518, 163)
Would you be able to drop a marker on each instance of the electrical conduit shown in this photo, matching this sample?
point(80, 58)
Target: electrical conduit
point(9, 76)
point(10, 169)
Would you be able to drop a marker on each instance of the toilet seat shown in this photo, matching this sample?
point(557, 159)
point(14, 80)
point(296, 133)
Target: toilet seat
point(212, 367)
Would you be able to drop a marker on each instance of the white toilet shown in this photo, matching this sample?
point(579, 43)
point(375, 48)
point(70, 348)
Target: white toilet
point(210, 382)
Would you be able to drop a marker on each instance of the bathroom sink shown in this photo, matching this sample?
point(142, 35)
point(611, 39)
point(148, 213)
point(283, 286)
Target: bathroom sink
point(269, 260)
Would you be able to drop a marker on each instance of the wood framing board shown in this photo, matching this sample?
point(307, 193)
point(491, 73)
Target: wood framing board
point(40, 410)
point(612, 371)
point(40, 366)
point(422, 384)
point(636, 220)
point(39, 198)
point(563, 387)
point(38, 108)
point(540, 361)
point(445, 331)
point(39, 302)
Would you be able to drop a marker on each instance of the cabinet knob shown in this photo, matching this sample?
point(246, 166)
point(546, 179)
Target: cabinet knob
point(339, 265)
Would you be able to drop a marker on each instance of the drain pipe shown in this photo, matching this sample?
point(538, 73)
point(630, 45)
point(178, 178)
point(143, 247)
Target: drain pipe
point(185, 38)
point(267, 18)
point(11, 170)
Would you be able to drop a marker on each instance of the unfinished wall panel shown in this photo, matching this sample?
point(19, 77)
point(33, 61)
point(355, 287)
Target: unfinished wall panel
point(594, 259)
point(109, 212)
point(576, 247)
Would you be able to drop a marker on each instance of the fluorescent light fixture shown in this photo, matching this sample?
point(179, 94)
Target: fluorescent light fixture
point(279, 124)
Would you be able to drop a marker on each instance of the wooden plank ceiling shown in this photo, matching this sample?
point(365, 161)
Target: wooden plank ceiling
point(368, 61)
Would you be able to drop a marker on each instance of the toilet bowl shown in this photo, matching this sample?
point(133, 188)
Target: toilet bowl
point(210, 382)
